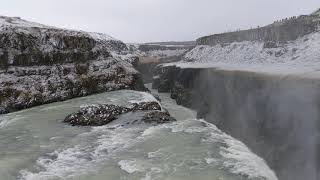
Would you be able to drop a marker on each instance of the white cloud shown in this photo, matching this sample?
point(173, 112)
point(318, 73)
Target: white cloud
point(156, 20)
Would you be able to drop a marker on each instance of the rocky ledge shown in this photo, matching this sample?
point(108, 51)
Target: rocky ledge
point(102, 114)
point(42, 64)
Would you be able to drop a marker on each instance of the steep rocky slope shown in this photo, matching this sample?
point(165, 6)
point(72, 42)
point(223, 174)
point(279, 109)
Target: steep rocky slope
point(41, 64)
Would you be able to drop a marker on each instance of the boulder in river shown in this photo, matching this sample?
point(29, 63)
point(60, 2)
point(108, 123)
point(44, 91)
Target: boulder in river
point(158, 117)
point(95, 115)
point(146, 106)
point(102, 114)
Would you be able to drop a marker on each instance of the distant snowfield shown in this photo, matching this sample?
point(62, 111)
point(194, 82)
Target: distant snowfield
point(177, 50)
point(300, 57)
point(166, 53)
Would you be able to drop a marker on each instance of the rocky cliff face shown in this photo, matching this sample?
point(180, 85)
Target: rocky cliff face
point(41, 64)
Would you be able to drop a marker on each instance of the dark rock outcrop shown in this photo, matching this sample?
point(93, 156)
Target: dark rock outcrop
point(102, 114)
point(145, 106)
point(95, 115)
point(41, 64)
point(157, 117)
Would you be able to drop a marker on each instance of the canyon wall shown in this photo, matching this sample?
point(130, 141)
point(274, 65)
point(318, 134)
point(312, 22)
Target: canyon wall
point(276, 116)
point(153, 54)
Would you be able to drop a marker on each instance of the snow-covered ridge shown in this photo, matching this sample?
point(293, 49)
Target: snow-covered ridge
point(23, 26)
point(301, 55)
point(101, 36)
point(317, 12)
point(18, 22)
point(25, 43)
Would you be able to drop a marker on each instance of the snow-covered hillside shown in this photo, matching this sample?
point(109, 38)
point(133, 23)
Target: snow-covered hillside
point(299, 56)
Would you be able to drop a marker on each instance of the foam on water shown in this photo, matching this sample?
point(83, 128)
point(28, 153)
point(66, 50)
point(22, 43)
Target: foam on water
point(239, 158)
point(3, 122)
point(83, 158)
point(6, 120)
point(144, 97)
point(121, 146)
point(130, 166)
point(236, 156)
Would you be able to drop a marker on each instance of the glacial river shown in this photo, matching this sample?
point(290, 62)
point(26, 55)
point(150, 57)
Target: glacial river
point(36, 145)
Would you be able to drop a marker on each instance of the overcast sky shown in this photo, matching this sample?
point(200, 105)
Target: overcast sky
point(156, 20)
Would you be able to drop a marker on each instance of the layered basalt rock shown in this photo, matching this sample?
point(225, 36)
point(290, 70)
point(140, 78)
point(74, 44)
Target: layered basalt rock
point(41, 64)
point(102, 114)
